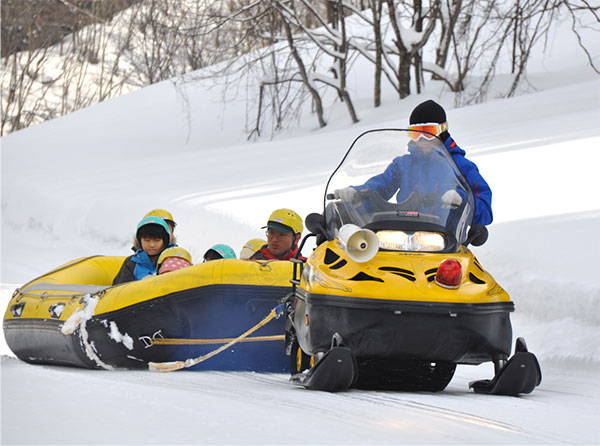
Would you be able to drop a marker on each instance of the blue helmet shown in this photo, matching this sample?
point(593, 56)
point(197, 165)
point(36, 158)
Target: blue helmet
point(153, 227)
point(220, 251)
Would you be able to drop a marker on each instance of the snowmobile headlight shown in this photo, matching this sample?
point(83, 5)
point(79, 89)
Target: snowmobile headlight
point(393, 240)
point(428, 241)
point(411, 241)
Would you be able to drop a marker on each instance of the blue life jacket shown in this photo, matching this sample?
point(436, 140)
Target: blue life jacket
point(143, 265)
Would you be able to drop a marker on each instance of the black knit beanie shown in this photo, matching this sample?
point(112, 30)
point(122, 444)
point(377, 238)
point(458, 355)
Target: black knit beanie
point(429, 111)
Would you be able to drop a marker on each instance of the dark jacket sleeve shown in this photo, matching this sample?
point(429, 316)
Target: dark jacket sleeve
point(126, 273)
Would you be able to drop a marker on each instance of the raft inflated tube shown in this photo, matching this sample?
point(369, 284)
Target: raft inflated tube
point(213, 300)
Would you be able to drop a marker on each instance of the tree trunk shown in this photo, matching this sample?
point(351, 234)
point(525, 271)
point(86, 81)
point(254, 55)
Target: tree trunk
point(441, 54)
point(302, 70)
point(342, 64)
point(376, 8)
point(417, 60)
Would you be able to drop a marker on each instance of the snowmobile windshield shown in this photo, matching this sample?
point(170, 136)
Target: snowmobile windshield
point(406, 189)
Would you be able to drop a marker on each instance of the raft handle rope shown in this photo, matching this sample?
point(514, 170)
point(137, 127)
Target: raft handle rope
point(76, 290)
point(178, 365)
point(264, 266)
point(18, 294)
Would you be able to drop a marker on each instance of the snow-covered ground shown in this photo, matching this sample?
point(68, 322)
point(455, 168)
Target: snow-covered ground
point(78, 185)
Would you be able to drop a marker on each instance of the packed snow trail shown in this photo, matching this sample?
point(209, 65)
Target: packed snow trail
point(138, 407)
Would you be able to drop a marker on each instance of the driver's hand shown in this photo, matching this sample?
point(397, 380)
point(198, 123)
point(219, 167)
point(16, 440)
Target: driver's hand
point(451, 199)
point(346, 194)
point(429, 199)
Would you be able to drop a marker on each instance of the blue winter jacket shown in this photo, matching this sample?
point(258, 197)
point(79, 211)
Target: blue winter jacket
point(144, 266)
point(434, 172)
point(136, 267)
point(481, 190)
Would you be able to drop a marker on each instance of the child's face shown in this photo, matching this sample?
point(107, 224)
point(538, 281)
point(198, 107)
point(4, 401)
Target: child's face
point(152, 245)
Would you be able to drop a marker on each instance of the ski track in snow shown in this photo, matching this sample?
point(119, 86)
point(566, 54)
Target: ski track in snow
point(456, 416)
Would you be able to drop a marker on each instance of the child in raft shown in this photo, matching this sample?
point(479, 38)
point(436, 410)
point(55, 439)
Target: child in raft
point(172, 259)
point(219, 251)
point(153, 236)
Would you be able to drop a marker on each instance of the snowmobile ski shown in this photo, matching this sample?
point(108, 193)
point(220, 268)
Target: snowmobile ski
point(521, 374)
point(335, 371)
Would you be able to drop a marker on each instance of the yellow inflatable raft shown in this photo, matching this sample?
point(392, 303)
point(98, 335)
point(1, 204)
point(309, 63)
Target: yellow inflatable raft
point(73, 316)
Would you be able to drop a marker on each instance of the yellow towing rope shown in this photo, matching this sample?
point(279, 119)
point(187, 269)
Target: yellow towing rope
point(178, 365)
point(180, 341)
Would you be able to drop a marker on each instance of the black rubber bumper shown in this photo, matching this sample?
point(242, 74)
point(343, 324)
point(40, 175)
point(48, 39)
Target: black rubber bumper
point(40, 341)
point(459, 333)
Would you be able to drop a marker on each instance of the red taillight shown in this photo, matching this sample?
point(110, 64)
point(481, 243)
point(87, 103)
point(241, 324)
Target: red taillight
point(449, 274)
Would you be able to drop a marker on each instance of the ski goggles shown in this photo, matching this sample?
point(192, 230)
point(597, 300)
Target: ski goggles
point(427, 131)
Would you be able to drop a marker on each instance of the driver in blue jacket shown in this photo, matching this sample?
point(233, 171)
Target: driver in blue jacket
point(429, 117)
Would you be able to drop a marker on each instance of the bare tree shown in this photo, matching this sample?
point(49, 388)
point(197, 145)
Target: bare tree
point(24, 85)
point(450, 11)
point(532, 20)
point(306, 80)
point(159, 23)
point(376, 7)
point(577, 11)
point(408, 44)
point(286, 54)
point(300, 61)
point(331, 38)
point(45, 81)
point(477, 36)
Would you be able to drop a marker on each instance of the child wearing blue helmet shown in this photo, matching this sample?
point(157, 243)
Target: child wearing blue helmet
point(219, 251)
point(153, 237)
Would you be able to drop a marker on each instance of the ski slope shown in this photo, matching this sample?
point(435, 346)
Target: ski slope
point(78, 185)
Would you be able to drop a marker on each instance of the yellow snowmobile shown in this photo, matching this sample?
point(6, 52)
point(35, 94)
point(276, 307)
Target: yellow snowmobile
point(392, 298)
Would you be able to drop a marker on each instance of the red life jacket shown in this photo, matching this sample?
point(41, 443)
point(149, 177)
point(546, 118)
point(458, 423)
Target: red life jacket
point(265, 254)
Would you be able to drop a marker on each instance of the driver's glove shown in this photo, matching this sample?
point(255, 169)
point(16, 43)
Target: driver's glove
point(346, 194)
point(451, 199)
point(428, 199)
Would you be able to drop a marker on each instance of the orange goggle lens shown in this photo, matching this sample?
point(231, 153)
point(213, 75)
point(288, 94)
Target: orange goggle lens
point(427, 131)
